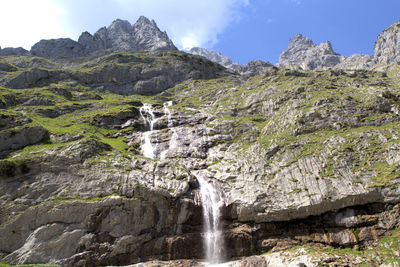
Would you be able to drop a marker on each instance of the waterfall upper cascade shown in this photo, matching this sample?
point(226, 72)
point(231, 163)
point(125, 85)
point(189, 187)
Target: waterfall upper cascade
point(149, 148)
point(173, 142)
point(212, 200)
point(146, 111)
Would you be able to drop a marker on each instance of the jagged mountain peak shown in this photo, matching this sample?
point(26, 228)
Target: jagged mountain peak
point(120, 26)
point(303, 53)
point(119, 36)
point(300, 39)
point(144, 20)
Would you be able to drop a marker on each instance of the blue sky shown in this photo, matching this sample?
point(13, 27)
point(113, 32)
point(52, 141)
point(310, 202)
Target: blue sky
point(266, 26)
point(241, 29)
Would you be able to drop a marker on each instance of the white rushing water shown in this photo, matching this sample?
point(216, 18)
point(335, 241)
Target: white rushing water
point(211, 201)
point(149, 149)
point(146, 111)
point(173, 142)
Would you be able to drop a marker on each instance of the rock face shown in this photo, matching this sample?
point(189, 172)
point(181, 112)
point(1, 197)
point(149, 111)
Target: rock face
point(21, 137)
point(120, 36)
point(302, 53)
point(387, 47)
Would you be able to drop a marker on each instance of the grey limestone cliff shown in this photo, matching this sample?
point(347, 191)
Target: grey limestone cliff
point(387, 47)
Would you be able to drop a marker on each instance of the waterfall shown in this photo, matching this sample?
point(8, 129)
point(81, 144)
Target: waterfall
point(173, 142)
point(167, 112)
point(149, 118)
point(211, 200)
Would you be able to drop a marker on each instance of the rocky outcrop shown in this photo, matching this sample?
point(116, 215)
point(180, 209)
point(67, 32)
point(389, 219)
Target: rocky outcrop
point(8, 51)
point(387, 47)
point(302, 53)
point(120, 36)
point(17, 138)
point(257, 67)
point(57, 48)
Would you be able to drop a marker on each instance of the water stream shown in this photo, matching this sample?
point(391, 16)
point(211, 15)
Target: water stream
point(173, 142)
point(146, 111)
point(211, 200)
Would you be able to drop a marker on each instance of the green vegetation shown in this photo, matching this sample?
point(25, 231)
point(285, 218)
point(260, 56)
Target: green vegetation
point(385, 252)
point(9, 167)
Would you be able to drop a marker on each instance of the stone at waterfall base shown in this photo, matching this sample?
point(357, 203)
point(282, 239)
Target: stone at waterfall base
point(298, 257)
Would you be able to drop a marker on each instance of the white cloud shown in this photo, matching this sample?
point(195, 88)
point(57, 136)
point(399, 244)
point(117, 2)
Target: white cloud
point(187, 22)
point(24, 22)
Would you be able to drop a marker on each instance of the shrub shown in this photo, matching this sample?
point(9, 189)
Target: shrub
point(7, 168)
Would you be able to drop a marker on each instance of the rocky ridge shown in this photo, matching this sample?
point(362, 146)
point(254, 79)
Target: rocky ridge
point(304, 158)
point(302, 53)
point(250, 69)
point(120, 36)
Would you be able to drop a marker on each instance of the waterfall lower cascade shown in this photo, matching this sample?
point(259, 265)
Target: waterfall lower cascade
point(212, 200)
point(146, 111)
